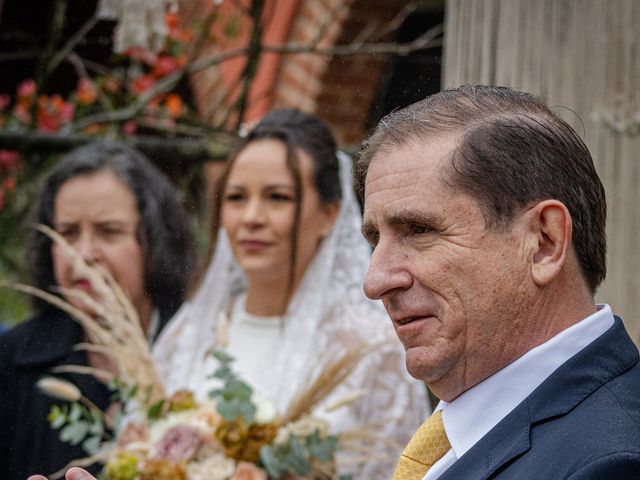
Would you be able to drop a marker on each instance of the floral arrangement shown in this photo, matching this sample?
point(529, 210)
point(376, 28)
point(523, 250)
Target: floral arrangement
point(235, 434)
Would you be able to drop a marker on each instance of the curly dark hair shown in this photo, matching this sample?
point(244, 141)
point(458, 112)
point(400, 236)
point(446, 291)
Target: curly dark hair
point(164, 232)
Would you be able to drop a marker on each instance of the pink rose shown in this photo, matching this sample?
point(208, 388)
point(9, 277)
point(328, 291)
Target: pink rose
point(178, 444)
point(248, 471)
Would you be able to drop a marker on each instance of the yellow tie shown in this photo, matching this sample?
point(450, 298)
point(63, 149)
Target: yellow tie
point(426, 447)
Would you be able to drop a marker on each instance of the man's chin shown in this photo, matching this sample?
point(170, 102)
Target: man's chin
point(423, 367)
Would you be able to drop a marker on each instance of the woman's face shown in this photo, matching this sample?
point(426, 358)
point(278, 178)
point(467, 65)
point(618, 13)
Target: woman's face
point(98, 215)
point(258, 210)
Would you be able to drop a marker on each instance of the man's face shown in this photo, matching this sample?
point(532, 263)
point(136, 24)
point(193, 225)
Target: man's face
point(453, 288)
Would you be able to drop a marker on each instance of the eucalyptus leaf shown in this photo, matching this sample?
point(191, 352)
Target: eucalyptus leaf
point(96, 427)
point(271, 462)
point(228, 410)
point(74, 433)
point(299, 464)
point(247, 410)
point(223, 373)
point(76, 412)
point(298, 456)
point(216, 393)
point(222, 357)
point(57, 417)
point(58, 422)
point(238, 388)
point(92, 445)
point(322, 449)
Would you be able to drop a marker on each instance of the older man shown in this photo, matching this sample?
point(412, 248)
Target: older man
point(488, 222)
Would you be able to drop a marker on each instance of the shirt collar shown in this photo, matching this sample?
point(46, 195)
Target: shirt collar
point(473, 414)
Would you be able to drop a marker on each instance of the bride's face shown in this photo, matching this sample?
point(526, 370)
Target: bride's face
point(258, 209)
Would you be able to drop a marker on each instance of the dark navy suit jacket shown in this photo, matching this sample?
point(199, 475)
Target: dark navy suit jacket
point(581, 423)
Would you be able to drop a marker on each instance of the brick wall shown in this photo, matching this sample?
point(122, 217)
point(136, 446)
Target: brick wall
point(340, 90)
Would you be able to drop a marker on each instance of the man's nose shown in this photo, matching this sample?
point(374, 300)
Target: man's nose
point(386, 273)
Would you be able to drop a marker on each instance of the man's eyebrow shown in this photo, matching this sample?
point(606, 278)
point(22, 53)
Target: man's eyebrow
point(408, 217)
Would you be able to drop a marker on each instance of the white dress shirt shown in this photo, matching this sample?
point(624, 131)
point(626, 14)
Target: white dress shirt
point(473, 414)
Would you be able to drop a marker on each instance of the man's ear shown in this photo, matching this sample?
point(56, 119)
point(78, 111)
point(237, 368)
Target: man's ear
point(551, 226)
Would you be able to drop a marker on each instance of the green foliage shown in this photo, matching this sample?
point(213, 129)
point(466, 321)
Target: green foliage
point(14, 227)
point(156, 410)
point(233, 400)
point(295, 457)
point(121, 391)
point(78, 424)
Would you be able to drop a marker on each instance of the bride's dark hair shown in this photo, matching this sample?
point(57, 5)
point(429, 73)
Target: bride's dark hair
point(297, 131)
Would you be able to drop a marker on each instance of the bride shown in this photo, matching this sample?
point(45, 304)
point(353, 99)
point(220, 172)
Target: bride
point(283, 290)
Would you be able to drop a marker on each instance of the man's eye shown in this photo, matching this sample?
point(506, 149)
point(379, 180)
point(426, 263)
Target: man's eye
point(373, 239)
point(419, 229)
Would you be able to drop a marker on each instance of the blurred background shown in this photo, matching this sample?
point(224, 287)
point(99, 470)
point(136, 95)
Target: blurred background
point(181, 80)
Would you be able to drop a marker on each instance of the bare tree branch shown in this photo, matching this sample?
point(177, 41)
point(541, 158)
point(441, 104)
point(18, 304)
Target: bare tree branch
point(59, 57)
point(159, 148)
point(42, 71)
point(253, 60)
point(424, 41)
point(397, 21)
point(78, 65)
point(332, 17)
point(224, 102)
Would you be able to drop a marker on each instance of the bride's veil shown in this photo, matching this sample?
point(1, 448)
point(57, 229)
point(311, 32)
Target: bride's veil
point(332, 281)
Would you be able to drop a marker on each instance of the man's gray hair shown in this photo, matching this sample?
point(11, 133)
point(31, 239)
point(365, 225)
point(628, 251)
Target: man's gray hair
point(511, 150)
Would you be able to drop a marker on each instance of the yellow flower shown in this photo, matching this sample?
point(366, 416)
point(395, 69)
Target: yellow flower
point(122, 467)
point(243, 443)
point(232, 435)
point(162, 470)
point(58, 388)
point(182, 400)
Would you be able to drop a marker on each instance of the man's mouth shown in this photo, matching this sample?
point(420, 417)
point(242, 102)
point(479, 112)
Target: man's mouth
point(405, 320)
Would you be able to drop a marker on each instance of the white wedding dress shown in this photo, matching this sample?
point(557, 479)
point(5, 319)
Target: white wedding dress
point(328, 315)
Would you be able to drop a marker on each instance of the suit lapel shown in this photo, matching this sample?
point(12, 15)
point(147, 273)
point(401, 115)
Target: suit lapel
point(506, 441)
point(604, 359)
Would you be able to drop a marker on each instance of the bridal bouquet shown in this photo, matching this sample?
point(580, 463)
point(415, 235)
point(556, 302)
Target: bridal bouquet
point(235, 434)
